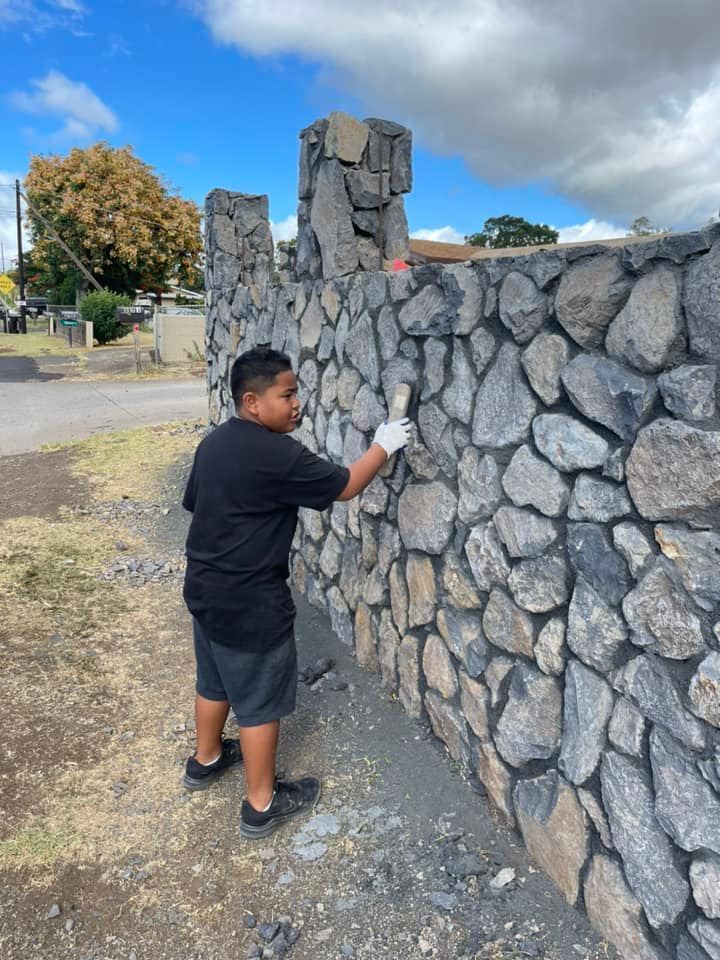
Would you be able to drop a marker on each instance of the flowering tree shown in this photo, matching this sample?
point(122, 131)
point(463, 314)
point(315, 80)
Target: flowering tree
point(117, 216)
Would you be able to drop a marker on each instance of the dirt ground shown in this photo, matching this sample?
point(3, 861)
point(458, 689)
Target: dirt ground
point(103, 856)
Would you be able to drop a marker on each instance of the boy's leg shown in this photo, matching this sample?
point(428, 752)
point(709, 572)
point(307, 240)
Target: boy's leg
point(259, 747)
point(210, 717)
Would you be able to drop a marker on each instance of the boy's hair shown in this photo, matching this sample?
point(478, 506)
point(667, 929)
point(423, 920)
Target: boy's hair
point(256, 370)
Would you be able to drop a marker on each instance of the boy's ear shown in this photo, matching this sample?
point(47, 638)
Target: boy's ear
point(249, 401)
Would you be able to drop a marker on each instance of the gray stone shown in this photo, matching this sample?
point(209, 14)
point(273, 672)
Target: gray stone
point(458, 398)
point(479, 486)
point(366, 638)
point(696, 555)
point(475, 701)
point(311, 324)
point(568, 444)
point(340, 617)
point(609, 393)
point(495, 673)
point(645, 849)
point(650, 683)
point(418, 457)
point(661, 615)
point(329, 386)
point(449, 725)
point(506, 625)
point(426, 514)
point(388, 647)
point(348, 384)
point(341, 332)
point(634, 546)
point(593, 557)
point(543, 362)
point(530, 481)
point(463, 634)
point(597, 500)
point(368, 254)
point(421, 589)
point(410, 674)
point(482, 347)
point(496, 779)
point(330, 556)
point(505, 406)
point(627, 728)
point(375, 588)
point(352, 578)
point(688, 949)
point(615, 465)
point(331, 223)
point(705, 689)
point(593, 808)
point(362, 352)
point(368, 411)
point(589, 297)
point(540, 584)
point(364, 188)
point(686, 806)
point(523, 308)
point(595, 632)
point(459, 586)
point(334, 437)
point(705, 882)
point(529, 727)
point(345, 137)
point(389, 547)
point(399, 600)
point(330, 301)
point(388, 333)
point(487, 558)
point(588, 703)
point(401, 163)
point(554, 829)
point(398, 370)
point(434, 379)
point(465, 291)
point(701, 297)
point(426, 314)
point(689, 391)
point(615, 913)
point(550, 652)
point(354, 446)
point(437, 432)
point(672, 471)
point(438, 667)
point(707, 934)
point(374, 498)
point(524, 533)
point(649, 332)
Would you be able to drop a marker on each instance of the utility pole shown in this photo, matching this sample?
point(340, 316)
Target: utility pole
point(2, 257)
point(21, 265)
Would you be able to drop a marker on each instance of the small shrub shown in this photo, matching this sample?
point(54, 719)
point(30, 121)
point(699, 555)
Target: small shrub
point(99, 309)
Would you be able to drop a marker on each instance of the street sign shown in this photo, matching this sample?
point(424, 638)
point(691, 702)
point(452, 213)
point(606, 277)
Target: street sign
point(6, 284)
point(133, 314)
point(69, 323)
point(69, 318)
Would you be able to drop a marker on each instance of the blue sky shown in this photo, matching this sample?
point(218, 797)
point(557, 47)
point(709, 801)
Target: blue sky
point(213, 93)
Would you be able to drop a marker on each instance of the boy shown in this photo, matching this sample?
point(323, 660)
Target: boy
point(246, 485)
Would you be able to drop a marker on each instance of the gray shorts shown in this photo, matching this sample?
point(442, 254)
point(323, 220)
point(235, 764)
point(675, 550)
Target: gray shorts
point(260, 687)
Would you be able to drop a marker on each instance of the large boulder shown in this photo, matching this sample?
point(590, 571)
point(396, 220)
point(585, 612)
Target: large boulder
point(649, 331)
point(609, 393)
point(589, 297)
point(505, 405)
point(701, 298)
point(426, 514)
point(331, 223)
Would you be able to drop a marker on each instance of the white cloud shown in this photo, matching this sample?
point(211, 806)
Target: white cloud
point(39, 16)
point(612, 104)
point(590, 230)
point(284, 229)
point(83, 113)
point(439, 235)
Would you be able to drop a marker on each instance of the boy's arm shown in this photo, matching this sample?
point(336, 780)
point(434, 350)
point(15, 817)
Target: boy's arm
point(389, 438)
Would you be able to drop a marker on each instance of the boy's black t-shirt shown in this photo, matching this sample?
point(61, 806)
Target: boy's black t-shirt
point(244, 492)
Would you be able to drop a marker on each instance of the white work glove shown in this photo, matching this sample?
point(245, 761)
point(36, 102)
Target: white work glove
point(393, 436)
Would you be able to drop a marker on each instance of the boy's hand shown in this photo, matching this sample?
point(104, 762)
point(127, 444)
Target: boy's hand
point(393, 436)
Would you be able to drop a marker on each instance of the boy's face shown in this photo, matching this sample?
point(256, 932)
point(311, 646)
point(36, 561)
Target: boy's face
point(277, 408)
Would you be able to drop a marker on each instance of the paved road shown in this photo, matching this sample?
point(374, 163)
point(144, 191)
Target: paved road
point(32, 414)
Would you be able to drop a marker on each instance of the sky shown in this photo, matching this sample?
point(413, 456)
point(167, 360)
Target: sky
point(579, 114)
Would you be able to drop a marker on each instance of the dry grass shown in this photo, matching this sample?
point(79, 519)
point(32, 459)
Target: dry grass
point(130, 462)
point(37, 345)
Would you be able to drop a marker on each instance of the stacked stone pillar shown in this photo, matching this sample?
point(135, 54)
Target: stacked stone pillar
point(345, 166)
point(239, 266)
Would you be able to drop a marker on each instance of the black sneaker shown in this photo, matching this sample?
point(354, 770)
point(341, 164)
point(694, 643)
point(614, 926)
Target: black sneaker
point(291, 799)
point(199, 777)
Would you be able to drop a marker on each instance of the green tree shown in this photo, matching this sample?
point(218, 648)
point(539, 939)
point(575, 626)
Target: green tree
point(508, 231)
point(117, 216)
point(642, 227)
point(99, 308)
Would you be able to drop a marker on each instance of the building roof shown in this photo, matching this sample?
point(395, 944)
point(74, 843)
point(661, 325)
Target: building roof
point(429, 251)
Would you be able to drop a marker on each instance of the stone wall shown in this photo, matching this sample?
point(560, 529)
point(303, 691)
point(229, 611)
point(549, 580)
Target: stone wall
point(540, 575)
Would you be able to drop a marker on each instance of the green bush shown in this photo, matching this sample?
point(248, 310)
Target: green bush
point(99, 309)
